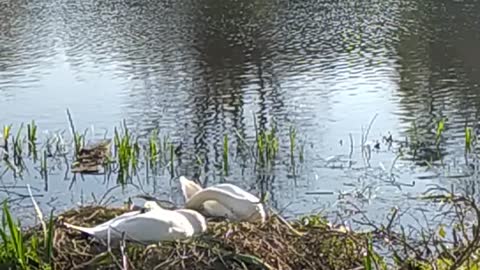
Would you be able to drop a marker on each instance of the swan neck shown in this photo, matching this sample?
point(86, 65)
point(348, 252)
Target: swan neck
point(218, 195)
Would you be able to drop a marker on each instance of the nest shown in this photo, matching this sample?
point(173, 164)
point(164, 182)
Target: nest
point(226, 245)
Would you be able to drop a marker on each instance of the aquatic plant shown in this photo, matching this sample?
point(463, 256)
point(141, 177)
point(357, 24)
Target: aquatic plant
point(301, 153)
point(468, 139)
point(292, 134)
point(225, 154)
point(153, 153)
point(439, 131)
point(172, 160)
point(78, 139)
point(126, 150)
point(18, 148)
point(6, 136)
point(267, 146)
point(32, 139)
point(44, 165)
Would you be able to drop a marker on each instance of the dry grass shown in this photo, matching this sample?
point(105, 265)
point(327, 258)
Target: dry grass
point(226, 245)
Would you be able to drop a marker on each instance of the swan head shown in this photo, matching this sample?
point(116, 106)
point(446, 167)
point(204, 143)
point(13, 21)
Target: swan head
point(189, 188)
point(196, 219)
point(259, 213)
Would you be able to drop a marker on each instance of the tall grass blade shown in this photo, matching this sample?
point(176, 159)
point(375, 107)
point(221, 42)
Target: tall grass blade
point(49, 238)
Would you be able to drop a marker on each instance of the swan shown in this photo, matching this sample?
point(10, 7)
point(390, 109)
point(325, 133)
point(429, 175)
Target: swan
point(222, 200)
point(152, 225)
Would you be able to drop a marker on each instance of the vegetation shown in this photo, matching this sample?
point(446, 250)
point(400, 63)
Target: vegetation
point(309, 242)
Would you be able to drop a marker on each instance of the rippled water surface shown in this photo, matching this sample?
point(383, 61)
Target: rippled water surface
point(197, 70)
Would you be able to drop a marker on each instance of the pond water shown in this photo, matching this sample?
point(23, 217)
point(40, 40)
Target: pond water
point(196, 70)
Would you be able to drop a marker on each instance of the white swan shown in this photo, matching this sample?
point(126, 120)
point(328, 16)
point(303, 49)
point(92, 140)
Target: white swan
point(151, 226)
point(222, 200)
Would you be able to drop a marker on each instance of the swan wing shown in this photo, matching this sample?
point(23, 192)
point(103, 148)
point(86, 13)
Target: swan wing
point(216, 209)
point(123, 216)
point(196, 219)
point(218, 202)
point(154, 226)
point(233, 206)
point(102, 227)
point(238, 191)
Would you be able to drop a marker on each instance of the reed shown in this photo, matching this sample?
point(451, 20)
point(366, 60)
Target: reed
point(267, 146)
point(292, 135)
point(44, 165)
point(18, 147)
point(301, 153)
point(439, 131)
point(468, 139)
point(172, 160)
point(78, 139)
point(32, 139)
point(225, 154)
point(125, 153)
point(6, 136)
point(153, 151)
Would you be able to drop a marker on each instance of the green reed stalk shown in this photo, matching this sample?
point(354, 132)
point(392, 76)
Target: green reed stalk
point(18, 147)
point(32, 138)
point(172, 156)
point(153, 149)
point(6, 135)
point(44, 165)
point(439, 131)
point(468, 139)
point(292, 134)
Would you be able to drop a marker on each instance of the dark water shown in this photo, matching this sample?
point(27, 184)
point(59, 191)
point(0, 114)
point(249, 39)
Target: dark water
point(197, 70)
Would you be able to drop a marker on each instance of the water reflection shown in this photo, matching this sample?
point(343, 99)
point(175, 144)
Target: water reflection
point(437, 73)
point(197, 70)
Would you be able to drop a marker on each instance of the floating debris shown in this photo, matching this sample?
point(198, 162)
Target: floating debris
point(92, 158)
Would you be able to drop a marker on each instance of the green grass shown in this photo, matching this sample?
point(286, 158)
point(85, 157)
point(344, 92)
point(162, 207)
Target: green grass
point(19, 253)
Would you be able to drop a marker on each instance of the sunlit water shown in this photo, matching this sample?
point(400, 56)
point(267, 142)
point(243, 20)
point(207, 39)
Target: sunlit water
point(197, 70)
